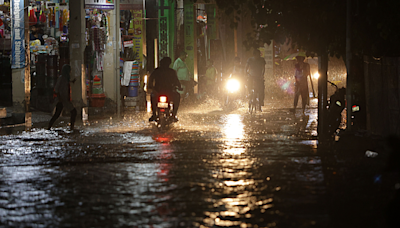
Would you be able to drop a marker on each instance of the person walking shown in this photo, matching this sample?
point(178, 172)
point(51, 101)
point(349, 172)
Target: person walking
point(211, 75)
point(182, 71)
point(62, 99)
point(255, 68)
point(302, 71)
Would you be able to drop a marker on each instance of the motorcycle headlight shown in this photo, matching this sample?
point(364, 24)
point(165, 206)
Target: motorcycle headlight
point(232, 85)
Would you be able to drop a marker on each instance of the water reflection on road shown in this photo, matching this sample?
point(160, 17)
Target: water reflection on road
point(212, 169)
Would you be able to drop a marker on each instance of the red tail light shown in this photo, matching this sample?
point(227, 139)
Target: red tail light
point(163, 99)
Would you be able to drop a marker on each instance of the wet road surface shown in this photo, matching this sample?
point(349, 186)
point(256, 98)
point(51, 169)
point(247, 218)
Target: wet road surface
point(211, 169)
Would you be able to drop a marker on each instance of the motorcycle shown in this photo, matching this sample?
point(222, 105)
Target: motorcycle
point(165, 108)
point(234, 91)
point(336, 104)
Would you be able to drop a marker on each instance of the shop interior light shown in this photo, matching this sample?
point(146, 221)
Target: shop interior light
point(145, 83)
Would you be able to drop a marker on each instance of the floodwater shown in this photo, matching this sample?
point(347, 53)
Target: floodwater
point(213, 168)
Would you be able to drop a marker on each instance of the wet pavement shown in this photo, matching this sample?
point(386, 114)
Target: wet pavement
point(213, 168)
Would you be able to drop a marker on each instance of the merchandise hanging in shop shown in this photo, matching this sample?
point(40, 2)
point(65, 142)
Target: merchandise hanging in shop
point(97, 26)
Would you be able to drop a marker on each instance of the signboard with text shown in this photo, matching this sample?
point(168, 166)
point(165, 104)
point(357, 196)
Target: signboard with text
point(17, 34)
point(268, 54)
point(99, 4)
point(211, 11)
point(166, 25)
point(138, 35)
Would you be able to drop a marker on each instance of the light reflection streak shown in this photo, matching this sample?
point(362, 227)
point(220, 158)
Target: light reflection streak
point(234, 178)
point(148, 106)
point(313, 117)
point(234, 135)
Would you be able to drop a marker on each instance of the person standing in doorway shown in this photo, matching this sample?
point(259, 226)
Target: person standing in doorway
point(35, 34)
point(62, 99)
point(302, 71)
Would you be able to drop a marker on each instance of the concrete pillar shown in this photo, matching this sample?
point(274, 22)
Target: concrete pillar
point(111, 83)
point(18, 88)
point(77, 46)
point(109, 74)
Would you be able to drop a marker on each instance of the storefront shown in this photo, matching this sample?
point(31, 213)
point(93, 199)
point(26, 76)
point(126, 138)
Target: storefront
point(97, 34)
point(132, 59)
point(49, 49)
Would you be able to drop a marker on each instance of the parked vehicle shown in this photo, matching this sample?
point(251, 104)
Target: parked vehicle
point(336, 104)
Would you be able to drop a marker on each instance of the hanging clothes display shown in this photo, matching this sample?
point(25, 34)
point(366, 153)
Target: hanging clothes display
point(96, 38)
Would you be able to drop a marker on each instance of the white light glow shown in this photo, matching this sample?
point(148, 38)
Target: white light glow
point(316, 75)
point(232, 85)
point(148, 106)
point(145, 83)
point(234, 134)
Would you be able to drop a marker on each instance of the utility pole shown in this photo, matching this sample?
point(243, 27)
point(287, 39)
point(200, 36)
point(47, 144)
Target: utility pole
point(27, 79)
point(322, 92)
point(348, 66)
point(77, 45)
point(151, 33)
point(116, 58)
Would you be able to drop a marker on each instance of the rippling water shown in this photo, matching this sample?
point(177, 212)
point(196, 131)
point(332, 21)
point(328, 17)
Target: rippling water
point(212, 169)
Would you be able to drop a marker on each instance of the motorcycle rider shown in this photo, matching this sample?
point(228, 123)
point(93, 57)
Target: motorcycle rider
point(237, 67)
point(164, 80)
point(255, 68)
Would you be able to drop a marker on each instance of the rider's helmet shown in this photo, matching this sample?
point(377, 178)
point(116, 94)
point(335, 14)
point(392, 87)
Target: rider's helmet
point(165, 62)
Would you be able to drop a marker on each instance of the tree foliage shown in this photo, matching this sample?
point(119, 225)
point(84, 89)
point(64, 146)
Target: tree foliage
point(320, 26)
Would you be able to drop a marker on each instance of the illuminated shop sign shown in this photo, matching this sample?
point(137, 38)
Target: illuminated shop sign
point(99, 4)
point(17, 34)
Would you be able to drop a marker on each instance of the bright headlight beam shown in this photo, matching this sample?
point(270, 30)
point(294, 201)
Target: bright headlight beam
point(232, 85)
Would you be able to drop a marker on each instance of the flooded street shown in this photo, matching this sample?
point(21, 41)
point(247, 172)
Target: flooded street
point(211, 169)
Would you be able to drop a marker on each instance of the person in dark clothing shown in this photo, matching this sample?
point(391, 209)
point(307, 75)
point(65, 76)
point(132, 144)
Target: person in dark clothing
point(164, 80)
point(302, 72)
point(255, 68)
point(35, 35)
point(62, 98)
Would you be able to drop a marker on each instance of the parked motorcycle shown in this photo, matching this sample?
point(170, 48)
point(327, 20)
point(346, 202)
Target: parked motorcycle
point(336, 104)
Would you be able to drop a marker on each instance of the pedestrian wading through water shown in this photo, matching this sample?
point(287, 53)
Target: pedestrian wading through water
point(62, 100)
